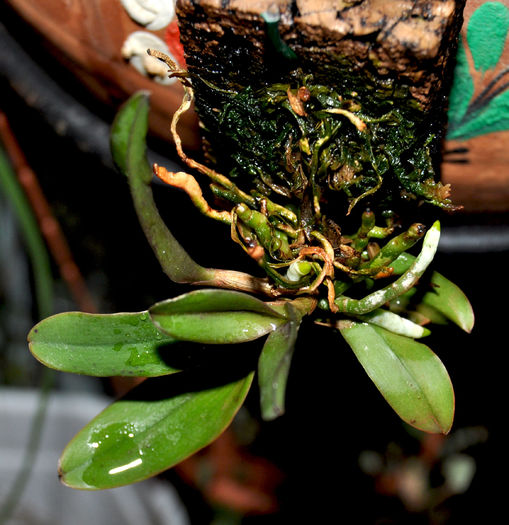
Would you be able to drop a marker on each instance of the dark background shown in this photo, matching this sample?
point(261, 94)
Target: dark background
point(334, 413)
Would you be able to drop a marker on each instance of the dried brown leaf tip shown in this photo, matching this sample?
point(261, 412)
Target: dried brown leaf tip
point(296, 101)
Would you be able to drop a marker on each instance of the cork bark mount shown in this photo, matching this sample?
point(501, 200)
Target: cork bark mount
point(408, 40)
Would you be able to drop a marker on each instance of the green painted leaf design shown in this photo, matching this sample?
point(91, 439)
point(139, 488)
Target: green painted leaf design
point(215, 317)
point(462, 89)
point(486, 34)
point(409, 375)
point(125, 344)
point(448, 299)
point(489, 112)
point(157, 425)
point(490, 118)
point(274, 365)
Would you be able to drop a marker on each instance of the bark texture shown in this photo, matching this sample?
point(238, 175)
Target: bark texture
point(400, 51)
point(408, 41)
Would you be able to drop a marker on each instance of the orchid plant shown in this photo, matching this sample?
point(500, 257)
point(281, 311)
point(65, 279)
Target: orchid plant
point(303, 159)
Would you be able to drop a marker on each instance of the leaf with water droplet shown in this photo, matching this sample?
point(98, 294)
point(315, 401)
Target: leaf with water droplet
point(124, 344)
point(409, 375)
point(215, 317)
point(157, 425)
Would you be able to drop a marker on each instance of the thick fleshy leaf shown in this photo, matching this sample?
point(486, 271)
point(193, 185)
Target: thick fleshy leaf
point(129, 151)
point(448, 299)
point(124, 137)
point(274, 365)
point(409, 375)
point(444, 296)
point(402, 263)
point(461, 91)
point(125, 344)
point(487, 33)
point(424, 313)
point(215, 317)
point(157, 425)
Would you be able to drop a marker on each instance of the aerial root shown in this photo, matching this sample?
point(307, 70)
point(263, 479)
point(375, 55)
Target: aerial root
point(190, 185)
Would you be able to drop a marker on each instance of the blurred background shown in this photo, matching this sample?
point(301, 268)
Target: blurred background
point(339, 455)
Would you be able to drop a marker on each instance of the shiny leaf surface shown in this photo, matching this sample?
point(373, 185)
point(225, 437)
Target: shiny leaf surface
point(215, 317)
point(443, 296)
point(157, 425)
point(124, 137)
point(409, 375)
point(274, 365)
point(129, 151)
point(448, 299)
point(125, 344)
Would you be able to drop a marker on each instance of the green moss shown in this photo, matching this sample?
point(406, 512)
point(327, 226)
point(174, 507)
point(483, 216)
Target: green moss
point(323, 150)
point(302, 138)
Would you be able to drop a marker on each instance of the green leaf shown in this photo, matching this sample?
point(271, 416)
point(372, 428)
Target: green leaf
point(129, 150)
point(462, 89)
point(402, 263)
point(488, 119)
point(274, 365)
point(125, 344)
point(408, 374)
point(486, 34)
point(427, 314)
point(444, 296)
point(215, 317)
point(124, 136)
point(157, 425)
point(450, 301)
